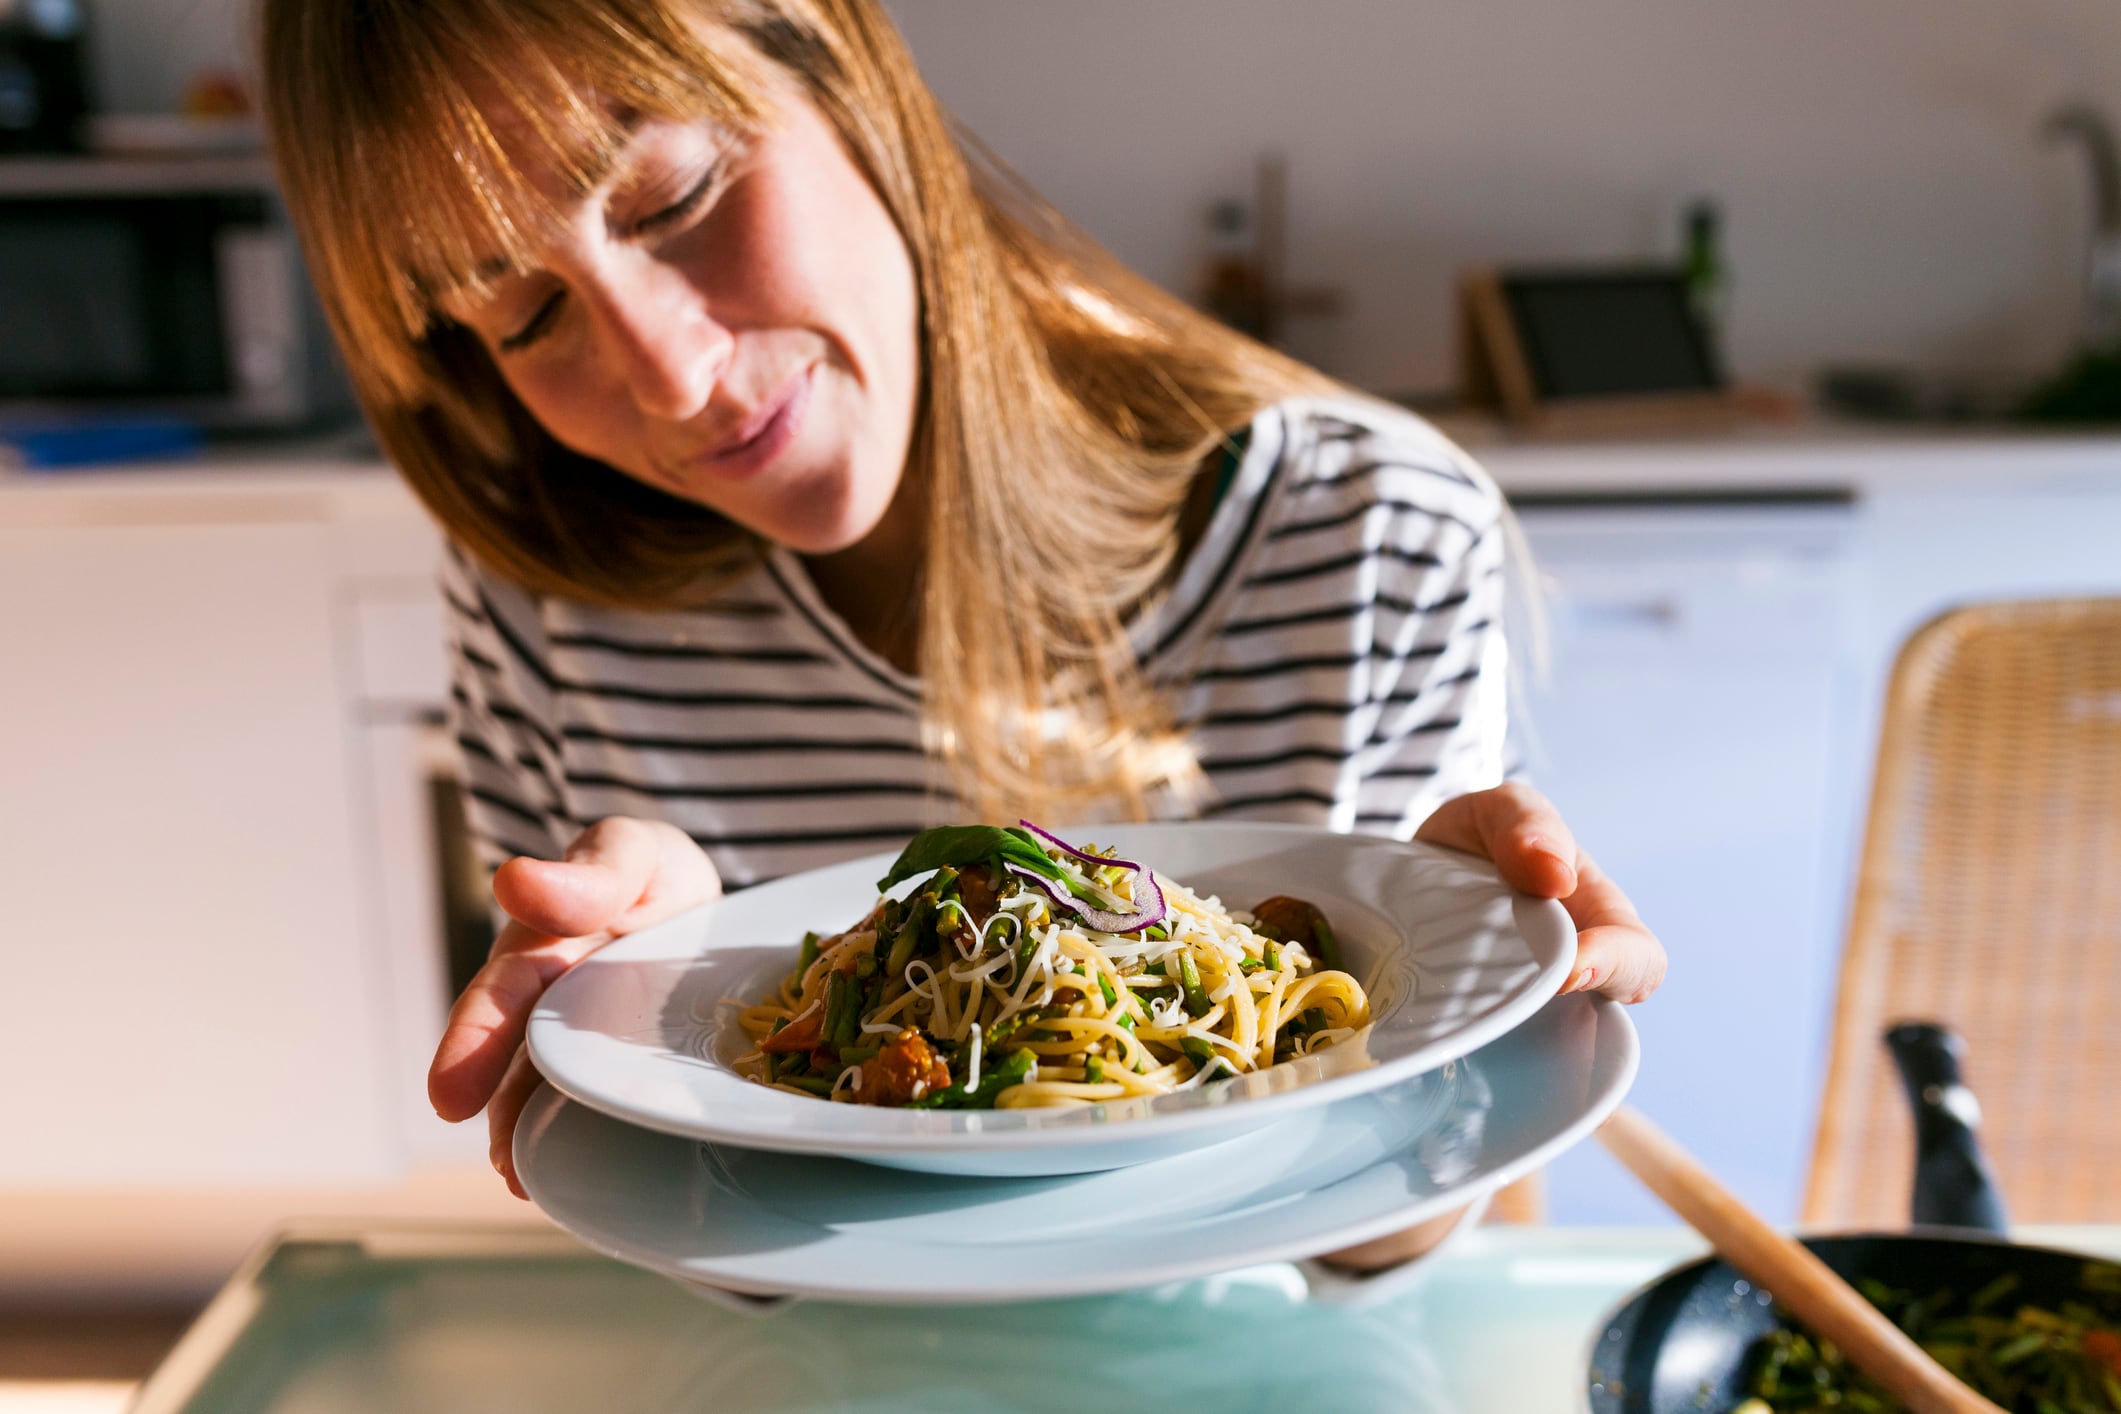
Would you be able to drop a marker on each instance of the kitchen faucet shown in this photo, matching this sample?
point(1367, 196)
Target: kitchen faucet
point(2086, 124)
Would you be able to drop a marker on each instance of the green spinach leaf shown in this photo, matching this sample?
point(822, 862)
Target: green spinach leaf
point(964, 845)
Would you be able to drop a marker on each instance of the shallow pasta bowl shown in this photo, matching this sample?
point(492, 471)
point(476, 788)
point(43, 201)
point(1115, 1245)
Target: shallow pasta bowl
point(1452, 958)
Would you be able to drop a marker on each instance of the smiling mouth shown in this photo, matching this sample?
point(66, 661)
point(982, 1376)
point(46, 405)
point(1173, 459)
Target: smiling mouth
point(761, 422)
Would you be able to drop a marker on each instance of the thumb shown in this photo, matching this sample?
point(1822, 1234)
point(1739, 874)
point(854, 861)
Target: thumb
point(604, 874)
point(1517, 830)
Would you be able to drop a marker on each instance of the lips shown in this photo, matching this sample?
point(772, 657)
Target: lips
point(763, 432)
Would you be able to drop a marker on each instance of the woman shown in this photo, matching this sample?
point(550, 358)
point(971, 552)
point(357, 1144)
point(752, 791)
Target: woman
point(811, 484)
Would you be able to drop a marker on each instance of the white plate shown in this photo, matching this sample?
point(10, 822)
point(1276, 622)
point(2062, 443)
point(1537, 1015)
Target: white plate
point(1452, 958)
point(1339, 1174)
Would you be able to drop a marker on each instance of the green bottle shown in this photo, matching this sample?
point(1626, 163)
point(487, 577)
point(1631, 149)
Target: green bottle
point(1707, 285)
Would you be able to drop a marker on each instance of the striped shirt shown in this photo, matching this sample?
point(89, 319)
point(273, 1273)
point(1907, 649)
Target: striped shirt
point(1333, 646)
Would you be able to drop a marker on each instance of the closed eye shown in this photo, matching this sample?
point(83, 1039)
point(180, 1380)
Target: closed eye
point(529, 334)
point(684, 206)
point(540, 321)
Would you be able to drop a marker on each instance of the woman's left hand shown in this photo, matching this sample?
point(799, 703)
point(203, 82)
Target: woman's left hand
point(1517, 828)
point(1616, 956)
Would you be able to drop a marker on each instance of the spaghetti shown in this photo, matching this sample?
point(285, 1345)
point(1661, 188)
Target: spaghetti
point(1023, 971)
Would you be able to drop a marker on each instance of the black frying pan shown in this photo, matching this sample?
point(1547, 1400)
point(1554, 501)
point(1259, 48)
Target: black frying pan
point(1684, 1345)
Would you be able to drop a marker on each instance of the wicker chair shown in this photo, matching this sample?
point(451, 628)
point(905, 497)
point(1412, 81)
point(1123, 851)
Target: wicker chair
point(1989, 899)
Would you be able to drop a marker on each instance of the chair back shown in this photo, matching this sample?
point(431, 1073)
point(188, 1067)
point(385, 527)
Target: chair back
point(1989, 899)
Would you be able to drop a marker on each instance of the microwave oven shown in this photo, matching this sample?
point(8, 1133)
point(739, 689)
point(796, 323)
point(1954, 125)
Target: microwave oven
point(162, 286)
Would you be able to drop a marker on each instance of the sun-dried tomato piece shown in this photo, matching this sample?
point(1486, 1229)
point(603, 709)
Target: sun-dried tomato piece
point(798, 1035)
point(980, 891)
point(906, 1069)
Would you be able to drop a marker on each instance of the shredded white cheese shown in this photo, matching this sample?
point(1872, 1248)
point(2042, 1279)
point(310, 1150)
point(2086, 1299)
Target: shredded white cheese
point(1198, 1077)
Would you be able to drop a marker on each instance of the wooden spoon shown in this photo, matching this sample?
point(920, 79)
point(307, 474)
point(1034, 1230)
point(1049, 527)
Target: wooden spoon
point(1801, 1283)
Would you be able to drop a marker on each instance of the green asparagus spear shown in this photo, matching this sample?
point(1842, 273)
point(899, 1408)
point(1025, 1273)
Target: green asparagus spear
point(1014, 1068)
point(838, 995)
point(1197, 1003)
point(1328, 945)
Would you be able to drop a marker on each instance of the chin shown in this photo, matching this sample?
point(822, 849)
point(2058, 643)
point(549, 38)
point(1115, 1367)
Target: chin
point(806, 542)
point(824, 519)
point(813, 522)
point(814, 537)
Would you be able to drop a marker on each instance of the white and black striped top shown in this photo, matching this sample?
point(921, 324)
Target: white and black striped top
point(1334, 642)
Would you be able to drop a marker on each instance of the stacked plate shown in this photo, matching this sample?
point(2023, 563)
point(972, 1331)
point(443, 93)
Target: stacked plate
point(649, 1145)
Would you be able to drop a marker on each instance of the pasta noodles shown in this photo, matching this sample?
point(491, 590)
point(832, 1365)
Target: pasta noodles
point(1023, 971)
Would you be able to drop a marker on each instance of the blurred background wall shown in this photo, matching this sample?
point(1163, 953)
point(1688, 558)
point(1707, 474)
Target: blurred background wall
point(1885, 190)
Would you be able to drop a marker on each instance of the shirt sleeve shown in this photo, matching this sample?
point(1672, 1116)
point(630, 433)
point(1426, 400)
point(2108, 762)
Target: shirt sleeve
point(1436, 724)
point(1424, 537)
point(502, 716)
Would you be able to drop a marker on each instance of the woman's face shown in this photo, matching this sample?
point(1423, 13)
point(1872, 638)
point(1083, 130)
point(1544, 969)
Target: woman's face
point(729, 319)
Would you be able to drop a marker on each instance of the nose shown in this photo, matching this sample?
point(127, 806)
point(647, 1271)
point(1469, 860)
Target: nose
point(659, 336)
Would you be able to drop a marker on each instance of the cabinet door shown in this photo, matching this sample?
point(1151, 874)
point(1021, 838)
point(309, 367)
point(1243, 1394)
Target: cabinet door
point(193, 1000)
point(406, 778)
point(1685, 732)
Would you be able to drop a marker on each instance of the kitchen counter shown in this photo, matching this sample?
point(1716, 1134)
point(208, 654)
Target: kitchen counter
point(297, 481)
point(1816, 461)
point(1813, 461)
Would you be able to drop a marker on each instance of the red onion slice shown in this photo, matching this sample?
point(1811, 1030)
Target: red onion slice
point(1080, 856)
point(1102, 919)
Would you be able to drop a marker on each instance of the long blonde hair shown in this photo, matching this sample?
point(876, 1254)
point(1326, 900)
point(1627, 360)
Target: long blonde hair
point(1065, 405)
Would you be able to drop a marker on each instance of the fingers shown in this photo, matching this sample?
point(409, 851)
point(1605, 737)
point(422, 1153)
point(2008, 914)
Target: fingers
point(604, 873)
point(486, 1024)
point(1626, 964)
point(619, 875)
point(1520, 831)
point(684, 878)
point(514, 1092)
point(1396, 1247)
point(1517, 829)
point(1616, 956)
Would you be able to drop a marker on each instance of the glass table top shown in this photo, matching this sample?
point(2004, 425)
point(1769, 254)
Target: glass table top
point(325, 1321)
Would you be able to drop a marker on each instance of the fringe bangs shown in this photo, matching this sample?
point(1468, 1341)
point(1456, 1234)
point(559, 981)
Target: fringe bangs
point(438, 111)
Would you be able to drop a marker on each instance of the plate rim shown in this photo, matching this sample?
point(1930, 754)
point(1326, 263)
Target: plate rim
point(1611, 1019)
point(1540, 989)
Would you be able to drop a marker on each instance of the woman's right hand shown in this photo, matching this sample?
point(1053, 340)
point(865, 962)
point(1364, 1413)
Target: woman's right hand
point(619, 876)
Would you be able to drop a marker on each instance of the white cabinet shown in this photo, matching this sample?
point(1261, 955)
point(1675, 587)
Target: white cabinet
point(1701, 668)
point(192, 994)
point(219, 697)
point(403, 759)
